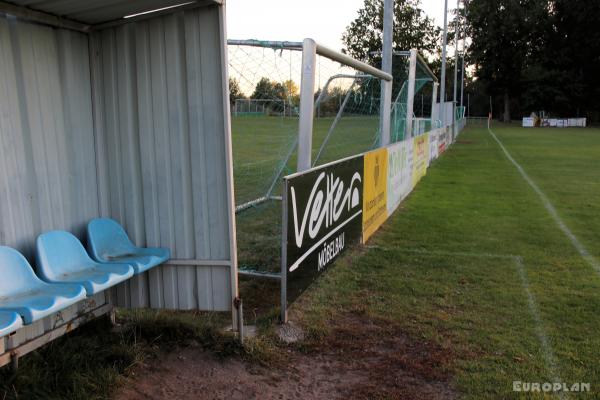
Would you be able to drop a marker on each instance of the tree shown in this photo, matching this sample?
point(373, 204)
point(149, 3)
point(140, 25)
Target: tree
point(270, 90)
point(572, 56)
point(412, 29)
point(291, 88)
point(503, 34)
point(235, 92)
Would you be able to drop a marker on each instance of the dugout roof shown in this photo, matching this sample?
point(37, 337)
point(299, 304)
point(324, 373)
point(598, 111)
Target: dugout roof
point(85, 15)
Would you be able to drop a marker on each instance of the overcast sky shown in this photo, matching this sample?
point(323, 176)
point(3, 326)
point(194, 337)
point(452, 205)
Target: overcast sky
point(294, 20)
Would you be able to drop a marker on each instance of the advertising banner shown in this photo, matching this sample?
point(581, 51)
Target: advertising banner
point(322, 218)
point(433, 144)
point(420, 157)
point(399, 173)
point(528, 122)
point(374, 191)
point(329, 208)
point(443, 141)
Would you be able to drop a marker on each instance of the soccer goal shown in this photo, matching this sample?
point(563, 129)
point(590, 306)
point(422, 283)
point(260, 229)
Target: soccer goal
point(265, 79)
point(263, 107)
point(413, 108)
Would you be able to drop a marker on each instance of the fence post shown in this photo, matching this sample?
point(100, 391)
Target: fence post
point(410, 97)
point(434, 109)
point(443, 77)
point(307, 92)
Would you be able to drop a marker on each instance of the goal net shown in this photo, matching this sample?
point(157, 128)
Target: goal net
point(422, 98)
point(264, 80)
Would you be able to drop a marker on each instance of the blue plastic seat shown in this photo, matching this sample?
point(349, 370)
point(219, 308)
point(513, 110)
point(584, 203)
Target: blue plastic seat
point(9, 322)
point(62, 258)
point(108, 243)
point(21, 291)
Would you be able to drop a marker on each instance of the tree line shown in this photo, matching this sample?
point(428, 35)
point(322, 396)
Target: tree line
point(527, 55)
point(273, 94)
point(532, 55)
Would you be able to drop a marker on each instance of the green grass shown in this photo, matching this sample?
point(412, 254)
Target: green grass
point(473, 200)
point(92, 361)
point(415, 272)
point(260, 145)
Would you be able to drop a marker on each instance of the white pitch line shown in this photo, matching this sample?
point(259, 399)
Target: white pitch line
point(591, 260)
point(546, 347)
point(547, 351)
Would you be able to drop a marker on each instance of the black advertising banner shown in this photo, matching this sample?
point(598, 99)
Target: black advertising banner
point(324, 217)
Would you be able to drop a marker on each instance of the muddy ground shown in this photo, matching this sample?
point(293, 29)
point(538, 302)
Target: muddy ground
point(359, 359)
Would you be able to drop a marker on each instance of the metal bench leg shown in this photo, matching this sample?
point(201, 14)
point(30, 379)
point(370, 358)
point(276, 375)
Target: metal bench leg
point(112, 315)
point(14, 361)
point(239, 305)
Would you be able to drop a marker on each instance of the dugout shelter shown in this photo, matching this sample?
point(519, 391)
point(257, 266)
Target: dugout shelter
point(114, 121)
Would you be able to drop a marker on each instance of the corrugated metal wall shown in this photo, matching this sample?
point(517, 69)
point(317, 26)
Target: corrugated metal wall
point(158, 102)
point(47, 159)
point(127, 122)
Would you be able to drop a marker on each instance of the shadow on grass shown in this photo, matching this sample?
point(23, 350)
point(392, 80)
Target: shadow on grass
point(92, 361)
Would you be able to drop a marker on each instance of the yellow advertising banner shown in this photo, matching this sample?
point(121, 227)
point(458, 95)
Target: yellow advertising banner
point(374, 191)
point(420, 157)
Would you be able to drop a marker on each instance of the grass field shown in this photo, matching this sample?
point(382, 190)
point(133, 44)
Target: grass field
point(471, 285)
point(260, 144)
point(474, 262)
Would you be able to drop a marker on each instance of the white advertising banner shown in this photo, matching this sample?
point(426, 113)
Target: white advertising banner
point(528, 122)
point(400, 158)
point(434, 137)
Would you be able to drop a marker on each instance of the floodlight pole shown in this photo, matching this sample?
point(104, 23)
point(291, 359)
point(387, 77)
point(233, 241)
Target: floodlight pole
point(443, 78)
point(462, 69)
point(307, 91)
point(455, 52)
point(410, 96)
point(455, 70)
point(386, 66)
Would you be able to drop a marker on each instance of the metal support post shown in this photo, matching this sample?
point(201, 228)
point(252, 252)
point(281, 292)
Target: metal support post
point(386, 66)
point(239, 305)
point(443, 78)
point(307, 90)
point(410, 98)
point(454, 98)
point(434, 109)
point(283, 292)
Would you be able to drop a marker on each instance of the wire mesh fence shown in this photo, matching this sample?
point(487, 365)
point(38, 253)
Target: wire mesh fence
point(264, 80)
point(264, 83)
point(422, 89)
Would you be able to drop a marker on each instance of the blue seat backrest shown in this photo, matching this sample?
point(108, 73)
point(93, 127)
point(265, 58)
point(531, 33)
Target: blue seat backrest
point(107, 238)
point(16, 274)
point(60, 252)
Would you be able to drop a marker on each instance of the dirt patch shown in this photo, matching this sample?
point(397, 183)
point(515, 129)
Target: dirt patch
point(360, 359)
point(396, 365)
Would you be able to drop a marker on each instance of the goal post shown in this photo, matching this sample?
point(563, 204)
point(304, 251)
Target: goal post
point(272, 79)
point(403, 119)
point(310, 49)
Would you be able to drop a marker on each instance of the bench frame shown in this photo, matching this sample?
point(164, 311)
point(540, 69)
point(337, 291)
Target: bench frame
point(44, 331)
